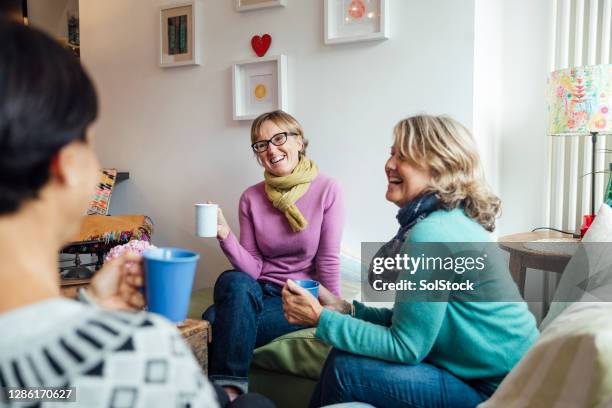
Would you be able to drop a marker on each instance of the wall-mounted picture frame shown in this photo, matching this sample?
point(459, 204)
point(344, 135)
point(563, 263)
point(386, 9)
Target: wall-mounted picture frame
point(247, 5)
point(259, 86)
point(356, 20)
point(179, 33)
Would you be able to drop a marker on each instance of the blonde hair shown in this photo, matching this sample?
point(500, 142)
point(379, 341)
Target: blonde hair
point(446, 148)
point(282, 120)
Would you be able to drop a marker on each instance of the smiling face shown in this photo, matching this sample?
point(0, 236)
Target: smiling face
point(279, 160)
point(406, 181)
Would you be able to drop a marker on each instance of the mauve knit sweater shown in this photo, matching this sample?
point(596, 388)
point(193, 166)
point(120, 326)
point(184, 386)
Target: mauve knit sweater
point(270, 251)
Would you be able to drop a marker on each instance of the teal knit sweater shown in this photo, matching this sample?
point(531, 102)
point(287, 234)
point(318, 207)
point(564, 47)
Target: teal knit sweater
point(472, 340)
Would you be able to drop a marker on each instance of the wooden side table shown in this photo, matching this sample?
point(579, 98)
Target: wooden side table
point(70, 287)
point(522, 257)
point(197, 333)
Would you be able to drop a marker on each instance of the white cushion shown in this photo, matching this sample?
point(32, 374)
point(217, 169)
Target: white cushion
point(601, 229)
point(592, 263)
point(569, 366)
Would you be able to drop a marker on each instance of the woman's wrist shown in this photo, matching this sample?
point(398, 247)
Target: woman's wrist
point(223, 235)
point(318, 313)
point(348, 308)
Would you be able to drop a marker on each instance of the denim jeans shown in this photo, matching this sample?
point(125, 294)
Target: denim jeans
point(246, 314)
point(349, 377)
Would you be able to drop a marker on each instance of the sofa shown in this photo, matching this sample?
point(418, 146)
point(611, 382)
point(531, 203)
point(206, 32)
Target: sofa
point(569, 366)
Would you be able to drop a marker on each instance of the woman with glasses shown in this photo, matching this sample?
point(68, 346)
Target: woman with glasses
point(290, 228)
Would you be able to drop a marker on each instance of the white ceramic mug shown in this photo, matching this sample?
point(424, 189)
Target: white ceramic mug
point(206, 220)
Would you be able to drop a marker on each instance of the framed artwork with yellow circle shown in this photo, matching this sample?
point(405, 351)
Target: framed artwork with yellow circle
point(259, 86)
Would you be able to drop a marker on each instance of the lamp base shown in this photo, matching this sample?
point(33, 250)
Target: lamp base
point(587, 220)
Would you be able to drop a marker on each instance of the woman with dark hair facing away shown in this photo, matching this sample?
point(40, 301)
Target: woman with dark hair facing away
point(48, 171)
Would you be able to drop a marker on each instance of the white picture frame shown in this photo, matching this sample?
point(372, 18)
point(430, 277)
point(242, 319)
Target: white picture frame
point(248, 5)
point(355, 20)
point(172, 52)
point(259, 86)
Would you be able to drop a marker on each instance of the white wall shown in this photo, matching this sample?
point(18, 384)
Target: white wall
point(173, 128)
point(523, 139)
point(488, 70)
point(52, 15)
point(511, 65)
point(510, 69)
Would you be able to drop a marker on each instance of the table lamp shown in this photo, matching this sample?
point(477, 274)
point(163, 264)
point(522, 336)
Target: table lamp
point(580, 104)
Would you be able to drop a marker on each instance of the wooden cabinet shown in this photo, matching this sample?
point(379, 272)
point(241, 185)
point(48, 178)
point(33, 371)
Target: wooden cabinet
point(69, 287)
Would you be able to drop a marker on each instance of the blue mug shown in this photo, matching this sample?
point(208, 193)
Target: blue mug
point(310, 285)
point(169, 274)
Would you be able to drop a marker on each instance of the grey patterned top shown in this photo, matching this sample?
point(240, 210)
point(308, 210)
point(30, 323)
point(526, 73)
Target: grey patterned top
point(114, 359)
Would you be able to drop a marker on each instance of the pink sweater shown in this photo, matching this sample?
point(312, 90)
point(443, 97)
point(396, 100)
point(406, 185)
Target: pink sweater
point(270, 251)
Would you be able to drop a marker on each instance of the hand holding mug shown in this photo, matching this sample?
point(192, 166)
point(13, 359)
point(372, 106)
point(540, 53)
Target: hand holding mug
point(117, 285)
point(223, 228)
point(300, 306)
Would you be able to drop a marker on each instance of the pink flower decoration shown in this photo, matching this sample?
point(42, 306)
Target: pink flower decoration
point(604, 109)
point(132, 246)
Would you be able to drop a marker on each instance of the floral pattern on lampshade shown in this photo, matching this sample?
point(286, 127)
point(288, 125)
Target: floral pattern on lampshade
point(580, 100)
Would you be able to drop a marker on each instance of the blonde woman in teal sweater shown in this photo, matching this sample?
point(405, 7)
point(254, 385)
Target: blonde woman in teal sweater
point(422, 354)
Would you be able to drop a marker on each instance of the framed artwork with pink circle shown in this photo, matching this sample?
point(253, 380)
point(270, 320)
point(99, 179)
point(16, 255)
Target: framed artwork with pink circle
point(356, 20)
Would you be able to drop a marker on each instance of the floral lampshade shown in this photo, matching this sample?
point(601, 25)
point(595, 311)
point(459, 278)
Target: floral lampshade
point(580, 101)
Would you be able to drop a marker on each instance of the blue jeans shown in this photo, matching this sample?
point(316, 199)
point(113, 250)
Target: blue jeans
point(349, 377)
point(246, 314)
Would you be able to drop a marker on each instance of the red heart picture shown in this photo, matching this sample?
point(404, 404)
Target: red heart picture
point(261, 44)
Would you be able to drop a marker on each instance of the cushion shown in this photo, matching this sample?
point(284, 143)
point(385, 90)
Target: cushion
point(601, 228)
point(586, 275)
point(117, 229)
point(569, 365)
point(299, 353)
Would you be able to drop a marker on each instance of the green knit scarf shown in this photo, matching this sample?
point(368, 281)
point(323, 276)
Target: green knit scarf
point(284, 191)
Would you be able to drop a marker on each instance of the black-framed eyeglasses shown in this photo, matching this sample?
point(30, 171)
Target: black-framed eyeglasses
point(278, 139)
